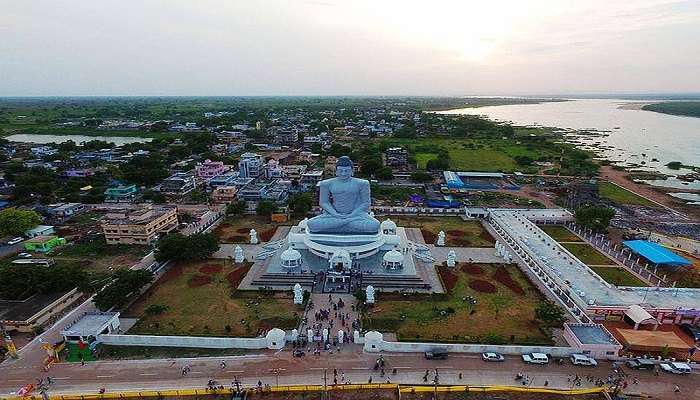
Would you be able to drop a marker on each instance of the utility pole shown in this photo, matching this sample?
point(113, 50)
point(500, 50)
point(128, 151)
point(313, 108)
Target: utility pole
point(325, 384)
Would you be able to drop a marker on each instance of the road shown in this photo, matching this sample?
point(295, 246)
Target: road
point(351, 363)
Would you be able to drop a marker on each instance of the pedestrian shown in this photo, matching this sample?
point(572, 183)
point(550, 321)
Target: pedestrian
point(460, 375)
point(82, 361)
point(49, 380)
point(369, 380)
point(223, 364)
point(677, 389)
point(546, 382)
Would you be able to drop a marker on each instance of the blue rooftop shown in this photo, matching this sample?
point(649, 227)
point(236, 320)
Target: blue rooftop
point(655, 253)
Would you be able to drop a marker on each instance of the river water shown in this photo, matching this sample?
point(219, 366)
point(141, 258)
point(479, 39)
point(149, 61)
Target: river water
point(615, 129)
point(44, 139)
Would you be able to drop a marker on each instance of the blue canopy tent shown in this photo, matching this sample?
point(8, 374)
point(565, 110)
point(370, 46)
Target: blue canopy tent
point(656, 253)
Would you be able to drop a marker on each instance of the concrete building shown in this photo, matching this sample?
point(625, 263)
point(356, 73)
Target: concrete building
point(224, 194)
point(65, 210)
point(90, 325)
point(35, 311)
point(179, 184)
point(273, 170)
point(397, 157)
point(286, 136)
point(310, 179)
point(43, 244)
point(294, 171)
point(141, 224)
point(39, 230)
point(209, 169)
point(121, 193)
point(251, 165)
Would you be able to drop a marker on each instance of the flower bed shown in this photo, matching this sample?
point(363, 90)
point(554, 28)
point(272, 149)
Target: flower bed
point(242, 230)
point(199, 280)
point(472, 269)
point(456, 232)
point(428, 236)
point(236, 276)
point(449, 278)
point(503, 276)
point(266, 235)
point(210, 269)
point(482, 286)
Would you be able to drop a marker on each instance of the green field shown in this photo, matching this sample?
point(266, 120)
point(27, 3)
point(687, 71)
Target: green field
point(620, 195)
point(423, 158)
point(210, 309)
point(618, 276)
point(499, 317)
point(587, 254)
point(560, 233)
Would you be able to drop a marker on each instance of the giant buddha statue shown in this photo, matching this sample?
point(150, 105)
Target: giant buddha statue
point(345, 201)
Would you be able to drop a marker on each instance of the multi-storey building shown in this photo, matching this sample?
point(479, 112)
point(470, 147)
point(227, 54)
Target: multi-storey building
point(139, 224)
point(209, 169)
point(396, 157)
point(179, 183)
point(251, 165)
point(121, 193)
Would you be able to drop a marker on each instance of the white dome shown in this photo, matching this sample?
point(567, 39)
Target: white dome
point(290, 255)
point(393, 256)
point(388, 224)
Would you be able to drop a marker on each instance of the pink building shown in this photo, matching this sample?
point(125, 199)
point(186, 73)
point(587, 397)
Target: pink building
point(209, 169)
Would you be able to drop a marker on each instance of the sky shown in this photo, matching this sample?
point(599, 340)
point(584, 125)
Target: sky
point(348, 47)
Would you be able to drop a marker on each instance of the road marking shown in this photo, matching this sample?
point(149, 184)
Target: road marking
point(276, 369)
point(148, 374)
point(318, 368)
point(235, 372)
point(65, 377)
point(361, 368)
point(17, 380)
point(402, 367)
point(105, 376)
point(194, 372)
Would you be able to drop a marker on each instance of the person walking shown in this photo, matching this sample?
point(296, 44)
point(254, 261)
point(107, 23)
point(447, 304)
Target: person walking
point(223, 364)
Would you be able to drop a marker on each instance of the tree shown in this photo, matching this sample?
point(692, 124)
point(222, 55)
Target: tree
point(421, 176)
point(384, 173)
point(265, 208)
point(178, 247)
point(125, 283)
point(550, 314)
point(301, 204)
point(440, 163)
point(370, 165)
point(14, 222)
point(236, 208)
point(595, 218)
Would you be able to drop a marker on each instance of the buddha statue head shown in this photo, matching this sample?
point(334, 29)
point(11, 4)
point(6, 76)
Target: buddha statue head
point(343, 168)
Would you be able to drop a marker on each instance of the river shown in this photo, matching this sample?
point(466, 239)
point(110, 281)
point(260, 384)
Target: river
point(44, 139)
point(617, 130)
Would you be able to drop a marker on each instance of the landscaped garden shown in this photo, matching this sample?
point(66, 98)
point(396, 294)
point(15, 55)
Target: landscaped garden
point(560, 233)
point(98, 255)
point(236, 229)
point(587, 254)
point(618, 276)
point(620, 195)
point(458, 232)
point(488, 303)
point(200, 299)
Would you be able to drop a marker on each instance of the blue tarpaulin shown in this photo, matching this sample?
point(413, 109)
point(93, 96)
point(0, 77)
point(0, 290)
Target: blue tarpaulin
point(655, 253)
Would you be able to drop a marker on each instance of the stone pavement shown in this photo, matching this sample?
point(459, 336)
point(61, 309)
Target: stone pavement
point(485, 255)
point(334, 322)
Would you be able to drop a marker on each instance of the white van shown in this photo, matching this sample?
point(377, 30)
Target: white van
point(675, 368)
point(582, 359)
point(536, 358)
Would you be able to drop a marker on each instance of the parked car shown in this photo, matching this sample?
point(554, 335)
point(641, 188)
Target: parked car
point(436, 354)
point(692, 330)
point(640, 363)
point(536, 358)
point(24, 255)
point(675, 368)
point(15, 240)
point(582, 359)
point(492, 357)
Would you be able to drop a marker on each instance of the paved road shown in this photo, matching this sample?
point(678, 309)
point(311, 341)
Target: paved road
point(9, 250)
point(351, 363)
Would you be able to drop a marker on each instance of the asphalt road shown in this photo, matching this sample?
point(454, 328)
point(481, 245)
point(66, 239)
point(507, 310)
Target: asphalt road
point(280, 368)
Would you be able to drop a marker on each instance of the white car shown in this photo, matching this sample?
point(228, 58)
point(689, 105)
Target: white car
point(24, 255)
point(15, 240)
point(582, 359)
point(675, 368)
point(492, 357)
point(536, 358)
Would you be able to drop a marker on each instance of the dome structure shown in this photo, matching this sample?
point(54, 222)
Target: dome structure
point(275, 338)
point(388, 227)
point(393, 260)
point(291, 258)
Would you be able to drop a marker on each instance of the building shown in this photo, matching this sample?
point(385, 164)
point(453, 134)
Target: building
point(397, 157)
point(79, 173)
point(224, 194)
point(293, 171)
point(90, 325)
point(65, 210)
point(39, 230)
point(35, 311)
point(251, 165)
point(140, 224)
point(202, 217)
point(121, 193)
point(286, 136)
point(310, 179)
point(179, 184)
point(209, 169)
point(273, 170)
point(43, 244)
point(222, 180)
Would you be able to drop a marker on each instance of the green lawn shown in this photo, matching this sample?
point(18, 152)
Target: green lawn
point(620, 195)
point(560, 233)
point(618, 276)
point(587, 254)
point(493, 319)
point(423, 158)
point(210, 309)
point(99, 255)
point(457, 231)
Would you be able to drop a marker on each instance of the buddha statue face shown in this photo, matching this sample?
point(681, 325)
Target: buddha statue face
point(343, 173)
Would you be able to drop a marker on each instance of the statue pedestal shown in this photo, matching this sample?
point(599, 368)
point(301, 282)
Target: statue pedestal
point(325, 245)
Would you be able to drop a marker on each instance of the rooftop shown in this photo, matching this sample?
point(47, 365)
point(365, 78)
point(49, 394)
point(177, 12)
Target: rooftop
point(25, 309)
point(592, 334)
point(655, 253)
point(90, 324)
